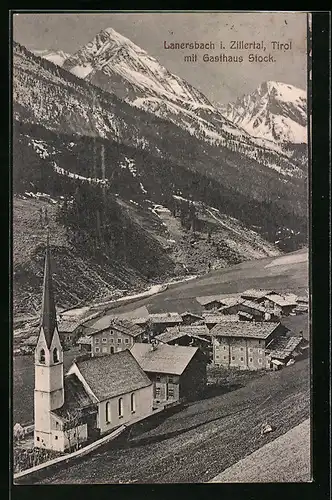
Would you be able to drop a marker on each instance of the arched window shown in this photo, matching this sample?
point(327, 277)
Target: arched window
point(132, 403)
point(120, 407)
point(55, 355)
point(108, 412)
point(42, 356)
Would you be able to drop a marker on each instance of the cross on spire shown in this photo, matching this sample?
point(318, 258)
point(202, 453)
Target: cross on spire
point(48, 312)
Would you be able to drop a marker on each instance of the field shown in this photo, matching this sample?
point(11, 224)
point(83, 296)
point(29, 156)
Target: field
point(285, 277)
point(286, 459)
point(197, 442)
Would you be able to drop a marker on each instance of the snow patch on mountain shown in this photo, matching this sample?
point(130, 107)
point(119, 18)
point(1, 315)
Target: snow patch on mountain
point(57, 57)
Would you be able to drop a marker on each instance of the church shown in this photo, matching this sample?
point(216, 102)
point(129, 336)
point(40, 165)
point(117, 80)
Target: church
point(94, 397)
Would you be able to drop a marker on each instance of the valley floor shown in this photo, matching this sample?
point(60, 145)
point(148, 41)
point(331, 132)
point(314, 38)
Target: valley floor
point(197, 442)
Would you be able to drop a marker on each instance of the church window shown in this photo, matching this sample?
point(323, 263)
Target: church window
point(38, 438)
point(108, 412)
point(56, 437)
point(132, 403)
point(42, 356)
point(55, 355)
point(120, 407)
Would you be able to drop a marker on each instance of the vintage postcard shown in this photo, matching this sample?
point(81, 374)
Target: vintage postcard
point(161, 294)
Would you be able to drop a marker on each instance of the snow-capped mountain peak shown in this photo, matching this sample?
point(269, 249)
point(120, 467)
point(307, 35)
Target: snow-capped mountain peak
point(57, 57)
point(276, 111)
point(115, 63)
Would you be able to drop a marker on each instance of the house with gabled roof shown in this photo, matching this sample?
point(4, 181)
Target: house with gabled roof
point(279, 305)
point(113, 335)
point(239, 344)
point(178, 373)
point(280, 350)
point(69, 331)
point(158, 322)
point(188, 335)
point(190, 318)
point(210, 303)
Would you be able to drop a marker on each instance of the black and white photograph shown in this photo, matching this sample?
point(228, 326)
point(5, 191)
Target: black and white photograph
point(160, 247)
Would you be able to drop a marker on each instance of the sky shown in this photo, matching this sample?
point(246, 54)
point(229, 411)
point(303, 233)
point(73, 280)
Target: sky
point(220, 82)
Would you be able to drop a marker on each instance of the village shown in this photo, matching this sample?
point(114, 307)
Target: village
point(129, 369)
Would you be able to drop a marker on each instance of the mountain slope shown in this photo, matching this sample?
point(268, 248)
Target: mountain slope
point(140, 232)
point(275, 111)
point(115, 64)
point(107, 166)
point(127, 65)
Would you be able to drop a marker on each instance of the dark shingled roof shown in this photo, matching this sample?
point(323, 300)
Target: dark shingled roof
point(281, 301)
point(178, 332)
point(244, 329)
point(76, 397)
point(67, 326)
point(112, 375)
point(126, 327)
point(164, 358)
point(283, 347)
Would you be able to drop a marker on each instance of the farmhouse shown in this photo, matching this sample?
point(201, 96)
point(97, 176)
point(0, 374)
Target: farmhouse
point(212, 303)
point(188, 336)
point(279, 305)
point(159, 322)
point(120, 334)
point(189, 318)
point(281, 350)
point(237, 344)
point(69, 332)
point(178, 373)
point(85, 343)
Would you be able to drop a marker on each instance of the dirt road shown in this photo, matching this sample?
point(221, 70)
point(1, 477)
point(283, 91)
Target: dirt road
point(203, 439)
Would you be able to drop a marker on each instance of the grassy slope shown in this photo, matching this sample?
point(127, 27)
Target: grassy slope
point(208, 436)
point(80, 278)
point(76, 278)
point(286, 459)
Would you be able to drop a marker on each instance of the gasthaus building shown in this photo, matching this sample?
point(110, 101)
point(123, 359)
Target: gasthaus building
point(239, 344)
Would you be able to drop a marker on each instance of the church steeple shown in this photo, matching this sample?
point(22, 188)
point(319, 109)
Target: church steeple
point(48, 312)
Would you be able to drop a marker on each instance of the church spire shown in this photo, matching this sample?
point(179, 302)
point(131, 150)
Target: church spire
point(48, 313)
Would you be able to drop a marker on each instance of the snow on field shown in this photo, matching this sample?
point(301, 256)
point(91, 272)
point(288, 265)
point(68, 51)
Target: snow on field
point(73, 175)
point(82, 71)
point(142, 188)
